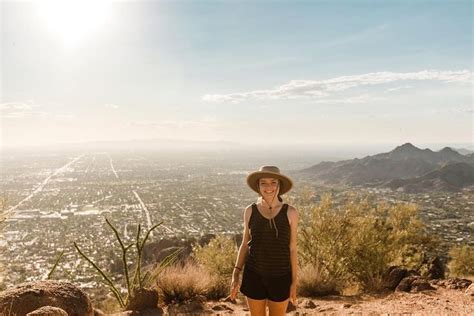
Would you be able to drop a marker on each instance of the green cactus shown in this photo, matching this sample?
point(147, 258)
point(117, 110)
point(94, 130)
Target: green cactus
point(138, 281)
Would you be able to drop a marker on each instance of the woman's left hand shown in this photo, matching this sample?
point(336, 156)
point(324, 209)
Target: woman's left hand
point(293, 294)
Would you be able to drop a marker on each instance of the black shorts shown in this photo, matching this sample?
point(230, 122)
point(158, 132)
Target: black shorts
point(257, 287)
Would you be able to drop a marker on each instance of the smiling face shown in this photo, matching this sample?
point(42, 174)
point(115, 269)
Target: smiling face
point(269, 187)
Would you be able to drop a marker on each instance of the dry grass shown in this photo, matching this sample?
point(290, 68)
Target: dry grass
point(178, 283)
point(313, 283)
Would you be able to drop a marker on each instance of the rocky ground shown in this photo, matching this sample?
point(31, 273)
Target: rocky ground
point(442, 301)
point(438, 297)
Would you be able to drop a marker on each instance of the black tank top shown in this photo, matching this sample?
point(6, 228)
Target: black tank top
point(269, 247)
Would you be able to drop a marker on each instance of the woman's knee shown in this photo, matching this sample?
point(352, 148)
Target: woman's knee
point(257, 307)
point(277, 308)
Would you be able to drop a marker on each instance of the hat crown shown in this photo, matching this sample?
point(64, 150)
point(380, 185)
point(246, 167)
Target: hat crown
point(273, 169)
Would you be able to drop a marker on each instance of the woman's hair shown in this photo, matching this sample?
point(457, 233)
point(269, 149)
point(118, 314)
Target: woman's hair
point(278, 196)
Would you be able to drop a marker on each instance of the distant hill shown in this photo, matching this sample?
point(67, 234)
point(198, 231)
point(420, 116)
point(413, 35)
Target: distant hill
point(404, 162)
point(452, 177)
point(463, 151)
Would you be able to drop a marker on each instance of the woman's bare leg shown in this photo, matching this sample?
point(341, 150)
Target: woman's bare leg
point(257, 307)
point(277, 308)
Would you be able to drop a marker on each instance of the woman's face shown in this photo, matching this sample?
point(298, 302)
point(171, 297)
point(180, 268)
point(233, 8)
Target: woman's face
point(269, 187)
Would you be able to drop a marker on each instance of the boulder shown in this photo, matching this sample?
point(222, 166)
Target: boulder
point(393, 277)
point(28, 297)
point(48, 311)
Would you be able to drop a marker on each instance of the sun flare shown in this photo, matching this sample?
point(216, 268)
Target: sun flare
point(74, 20)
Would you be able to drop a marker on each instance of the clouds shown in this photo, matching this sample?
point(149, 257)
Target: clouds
point(319, 89)
point(28, 109)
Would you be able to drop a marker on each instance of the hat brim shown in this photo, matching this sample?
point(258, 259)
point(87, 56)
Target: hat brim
point(285, 183)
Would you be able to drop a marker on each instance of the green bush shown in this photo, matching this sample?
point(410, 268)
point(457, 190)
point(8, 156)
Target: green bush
point(357, 239)
point(218, 256)
point(462, 261)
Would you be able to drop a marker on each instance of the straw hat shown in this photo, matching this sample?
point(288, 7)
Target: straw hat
point(269, 172)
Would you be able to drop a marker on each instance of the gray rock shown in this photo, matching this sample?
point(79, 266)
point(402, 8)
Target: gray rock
point(420, 284)
point(405, 284)
point(28, 297)
point(393, 277)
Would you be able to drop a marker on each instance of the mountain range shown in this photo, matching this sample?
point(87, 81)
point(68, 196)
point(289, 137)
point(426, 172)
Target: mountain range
point(405, 168)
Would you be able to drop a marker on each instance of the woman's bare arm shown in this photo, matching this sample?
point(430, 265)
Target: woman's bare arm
point(293, 219)
point(242, 254)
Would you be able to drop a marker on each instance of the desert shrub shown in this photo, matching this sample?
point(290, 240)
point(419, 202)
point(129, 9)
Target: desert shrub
point(323, 239)
point(217, 287)
point(462, 261)
point(314, 281)
point(358, 239)
point(218, 256)
point(179, 283)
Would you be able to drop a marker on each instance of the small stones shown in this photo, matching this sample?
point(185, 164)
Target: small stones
point(308, 304)
point(290, 308)
point(222, 307)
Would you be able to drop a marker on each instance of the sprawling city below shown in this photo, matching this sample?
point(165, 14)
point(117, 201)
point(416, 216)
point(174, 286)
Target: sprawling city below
point(57, 199)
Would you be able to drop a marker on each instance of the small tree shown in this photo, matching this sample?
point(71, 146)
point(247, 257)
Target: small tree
point(359, 239)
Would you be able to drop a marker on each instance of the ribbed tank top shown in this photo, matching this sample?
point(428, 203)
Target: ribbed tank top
point(269, 250)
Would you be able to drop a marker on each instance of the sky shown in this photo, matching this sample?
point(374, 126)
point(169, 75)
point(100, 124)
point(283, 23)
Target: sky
point(247, 72)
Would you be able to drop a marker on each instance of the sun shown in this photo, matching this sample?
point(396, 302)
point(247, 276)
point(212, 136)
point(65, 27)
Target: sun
point(73, 20)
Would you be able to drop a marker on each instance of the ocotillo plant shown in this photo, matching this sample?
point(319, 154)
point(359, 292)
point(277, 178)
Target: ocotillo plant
point(137, 281)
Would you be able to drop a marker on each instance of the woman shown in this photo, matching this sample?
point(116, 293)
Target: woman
point(267, 256)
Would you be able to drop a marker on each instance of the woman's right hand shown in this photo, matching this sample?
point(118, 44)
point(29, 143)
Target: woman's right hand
point(234, 286)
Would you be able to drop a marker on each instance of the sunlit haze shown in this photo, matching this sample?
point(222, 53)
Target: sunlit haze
point(253, 72)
